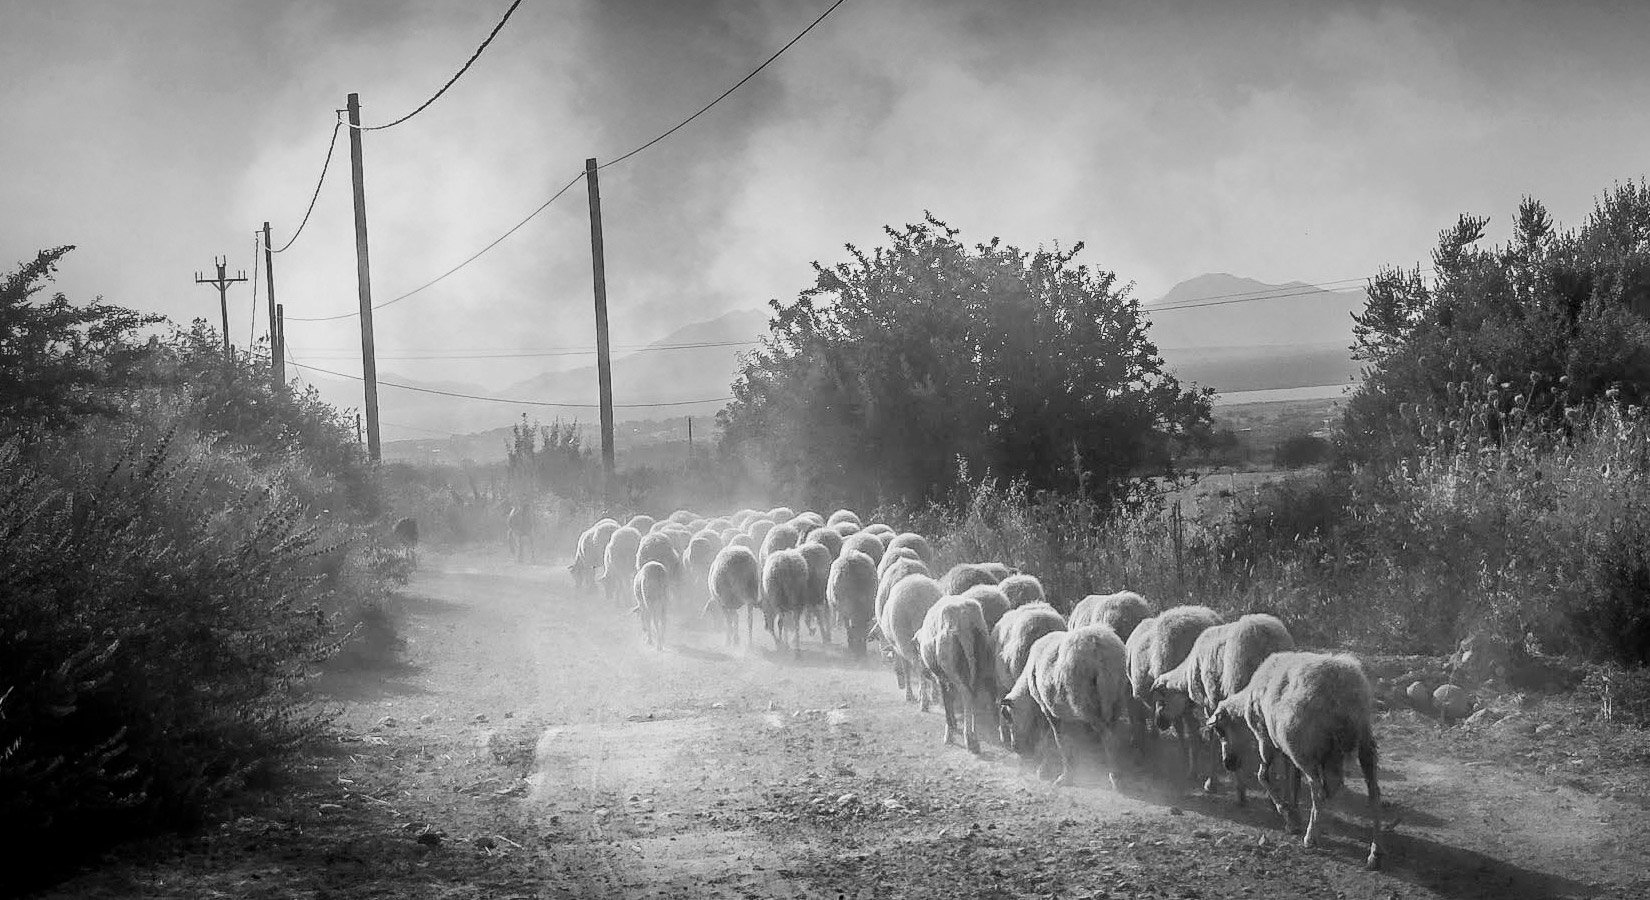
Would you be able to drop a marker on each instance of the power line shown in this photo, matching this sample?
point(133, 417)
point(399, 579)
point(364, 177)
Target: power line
point(678, 126)
point(1276, 293)
point(316, 194)
point(535, 354)
point(477, 255)
point(451, 81)
point(252, 327)
point(408, 387)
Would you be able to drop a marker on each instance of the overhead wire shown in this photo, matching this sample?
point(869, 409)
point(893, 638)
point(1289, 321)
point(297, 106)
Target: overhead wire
point(477, 255)
point(665, 134)
point(314, 195)
point(724, 95)
point(451, 81)
point(252, 327)
point(536, 354)
point(407, 387)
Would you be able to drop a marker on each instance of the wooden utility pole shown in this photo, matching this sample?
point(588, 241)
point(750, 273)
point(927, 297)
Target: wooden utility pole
point(363, 277)
point(222, 283)
point(279, 341)
point(604, 364)
point(277, 363)
point(690, 438)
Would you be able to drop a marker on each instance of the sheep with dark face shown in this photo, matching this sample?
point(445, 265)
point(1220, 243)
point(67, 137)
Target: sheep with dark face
point(993, 602)
point(405, 533)
point(735, 582)
point(1016, 631)
point(785, 596)
point(1074, 687)
point(651, 588)
point(1222, 660)
point(1315, 709)
point(1157, 645)
point(1123, 611)
point(899, 621)
point(851, 592)
point(955, 646)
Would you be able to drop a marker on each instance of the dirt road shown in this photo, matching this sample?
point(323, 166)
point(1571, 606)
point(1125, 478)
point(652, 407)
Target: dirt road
point(529, 745)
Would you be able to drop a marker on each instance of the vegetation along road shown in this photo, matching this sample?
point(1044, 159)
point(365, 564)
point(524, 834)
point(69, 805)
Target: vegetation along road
point(522, 742)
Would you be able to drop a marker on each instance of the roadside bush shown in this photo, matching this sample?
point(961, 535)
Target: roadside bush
point(159, 612)
point(1302, 450)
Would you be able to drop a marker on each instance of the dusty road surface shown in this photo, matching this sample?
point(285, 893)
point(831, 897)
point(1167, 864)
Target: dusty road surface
point(527, 744)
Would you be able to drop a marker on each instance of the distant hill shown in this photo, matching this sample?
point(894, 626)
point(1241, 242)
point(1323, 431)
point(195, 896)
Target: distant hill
point(1273, 337)
point(1251, 313)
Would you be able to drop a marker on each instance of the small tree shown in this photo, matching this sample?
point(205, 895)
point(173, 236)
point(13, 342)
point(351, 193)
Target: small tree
point(902, 364)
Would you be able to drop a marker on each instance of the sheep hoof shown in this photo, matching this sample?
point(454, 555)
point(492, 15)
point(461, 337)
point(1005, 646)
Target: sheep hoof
point(1112, 777)
point(1063, 780)
point(1211, 786)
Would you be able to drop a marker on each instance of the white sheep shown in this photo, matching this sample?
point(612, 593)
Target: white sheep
point(743, 517)
point(1157, 645)
point(808, 521)
point(1016, 631)
point(658, 547)
point(696, 564)
point(1123, 611)
point(954, 643)
point(993, 602)
point(899, 621)
point(642, 523)
point(819, 560)
point(851, 591)
point(916, 542)
point(781, 514)
point(846, 528)
point(1221, 662)
point(828, 537)
point(880, 530)
point(843, 515)
point(865, 543)
point(735, 581)
point(1022, 589)
point(963, 576)
point(779, 537)
point(587, 558)
point(1076, 682)
point(785, 596)
point(1316, 709)
point(743, 540)
point(651, 587)
point(895, 555)
point(893, 575)
point(682, 516)
point(619, 562)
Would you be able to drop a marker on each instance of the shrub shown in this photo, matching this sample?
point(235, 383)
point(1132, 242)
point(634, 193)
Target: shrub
point(159, 612)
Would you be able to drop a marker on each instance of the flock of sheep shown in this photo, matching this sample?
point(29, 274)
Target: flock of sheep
point(985, 639)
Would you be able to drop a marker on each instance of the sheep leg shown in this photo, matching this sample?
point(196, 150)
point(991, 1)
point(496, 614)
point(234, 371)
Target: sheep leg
point(1064, 745)
point(824, 625)
point(1268, 752)
point(971, 723)
point(660, 625)
point(902, 678)
point(948, 699)
point(925, 689)
point(1314, 783)
point(1366, 761)
point(1186, 747)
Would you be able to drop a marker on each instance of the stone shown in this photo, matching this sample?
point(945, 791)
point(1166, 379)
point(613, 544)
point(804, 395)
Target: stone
point(1419, 696)
point(1452, 701)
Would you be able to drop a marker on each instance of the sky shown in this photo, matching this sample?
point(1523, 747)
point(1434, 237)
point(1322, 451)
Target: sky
point(1312, 141)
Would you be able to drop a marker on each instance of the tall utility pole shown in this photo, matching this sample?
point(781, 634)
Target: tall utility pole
point(363, 277)
point(604, 364)
point(279, 341)
point(222, 283)
point(277, 364)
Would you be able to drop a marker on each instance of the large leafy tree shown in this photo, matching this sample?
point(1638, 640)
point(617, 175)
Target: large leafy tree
point(1558, 317)
point(904, 365)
